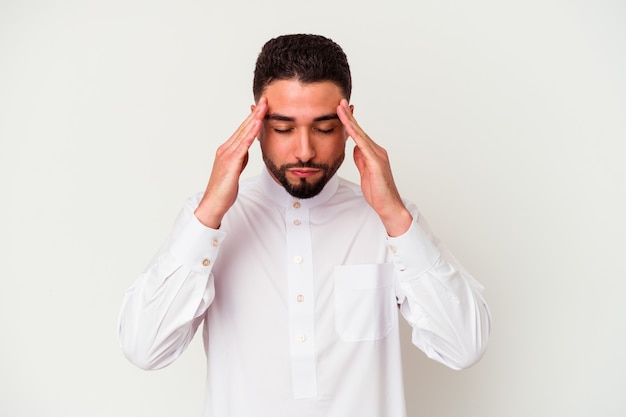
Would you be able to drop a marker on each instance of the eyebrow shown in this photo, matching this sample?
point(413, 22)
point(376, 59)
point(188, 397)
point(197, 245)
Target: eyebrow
point(283, 118)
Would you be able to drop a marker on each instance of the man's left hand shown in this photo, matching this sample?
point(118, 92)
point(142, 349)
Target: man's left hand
point(379, 188)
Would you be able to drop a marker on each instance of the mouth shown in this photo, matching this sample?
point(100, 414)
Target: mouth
point(304, 172)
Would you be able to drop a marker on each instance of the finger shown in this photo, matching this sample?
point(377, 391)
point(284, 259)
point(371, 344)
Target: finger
point(255, 115)
point(249, 129)
point(253, 127)
point(346, 117)
point(370, 150)
point(352, 127)
point(244, 126)
point(348, 120)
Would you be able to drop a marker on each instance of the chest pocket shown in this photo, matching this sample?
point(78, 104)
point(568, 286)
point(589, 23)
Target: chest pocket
point(364, 301)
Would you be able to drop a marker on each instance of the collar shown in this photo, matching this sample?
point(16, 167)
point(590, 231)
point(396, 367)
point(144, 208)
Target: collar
point(280, 196)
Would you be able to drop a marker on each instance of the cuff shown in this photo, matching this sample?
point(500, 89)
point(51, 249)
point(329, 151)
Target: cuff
point(197, 246)
point(412, 253)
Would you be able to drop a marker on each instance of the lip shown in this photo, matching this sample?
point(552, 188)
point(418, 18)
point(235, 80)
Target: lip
point(303, 172)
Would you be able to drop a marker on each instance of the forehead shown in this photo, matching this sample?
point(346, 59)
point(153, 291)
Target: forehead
point(302, 101)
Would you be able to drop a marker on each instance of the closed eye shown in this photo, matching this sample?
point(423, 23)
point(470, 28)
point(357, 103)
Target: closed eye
point(282, 131)
point(325, 131)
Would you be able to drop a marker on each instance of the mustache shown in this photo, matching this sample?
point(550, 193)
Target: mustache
point(307, 164)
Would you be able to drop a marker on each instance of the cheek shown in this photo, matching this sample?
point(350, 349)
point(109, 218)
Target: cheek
point(342, 141)
point(332, 149)
point(273, 146)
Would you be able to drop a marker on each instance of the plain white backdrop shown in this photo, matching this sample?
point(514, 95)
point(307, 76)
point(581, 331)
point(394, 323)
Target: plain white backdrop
point(504, 120)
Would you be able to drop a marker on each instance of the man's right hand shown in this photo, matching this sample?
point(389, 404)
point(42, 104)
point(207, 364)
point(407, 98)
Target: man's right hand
point(230, 160)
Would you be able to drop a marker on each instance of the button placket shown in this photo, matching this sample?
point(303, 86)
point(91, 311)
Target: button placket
point(301, 301)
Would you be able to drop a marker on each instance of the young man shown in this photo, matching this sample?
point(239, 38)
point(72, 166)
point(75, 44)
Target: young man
point(296, 275)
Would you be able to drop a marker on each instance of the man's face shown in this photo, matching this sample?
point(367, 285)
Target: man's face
point(302, 139)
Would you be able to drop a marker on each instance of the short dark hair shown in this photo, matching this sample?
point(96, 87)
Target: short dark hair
point(304, 58)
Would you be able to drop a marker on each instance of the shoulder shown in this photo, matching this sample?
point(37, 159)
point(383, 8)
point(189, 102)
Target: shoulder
point(348, 188)
point(351, 191)
point(247, 186)
point(250, 184)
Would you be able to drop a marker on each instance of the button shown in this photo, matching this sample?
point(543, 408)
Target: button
point(206, 262)
point(297, 204)
point(297, 259)
point(393, 249)
point(215, 242)
point(297, 222)
point(300, 298)
point(300, 338)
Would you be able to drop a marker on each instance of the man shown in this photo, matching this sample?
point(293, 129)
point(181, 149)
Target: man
point(297, 275)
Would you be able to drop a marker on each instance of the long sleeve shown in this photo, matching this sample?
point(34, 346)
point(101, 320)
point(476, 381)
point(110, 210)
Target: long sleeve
point(290, 290)
point(441, 301)
point(164, 306)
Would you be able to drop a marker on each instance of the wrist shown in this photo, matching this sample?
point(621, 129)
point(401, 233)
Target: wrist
point(398, 223)
point(207, 217)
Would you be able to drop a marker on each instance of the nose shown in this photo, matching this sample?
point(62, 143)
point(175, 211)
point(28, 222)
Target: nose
point(304, 150)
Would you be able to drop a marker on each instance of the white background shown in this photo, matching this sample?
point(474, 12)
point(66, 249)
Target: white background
point(504, 120)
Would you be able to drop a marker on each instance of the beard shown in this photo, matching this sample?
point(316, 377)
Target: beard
point(304, 188)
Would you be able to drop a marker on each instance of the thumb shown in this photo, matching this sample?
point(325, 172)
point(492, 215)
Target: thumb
point(244, 163)
point(359, 160)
